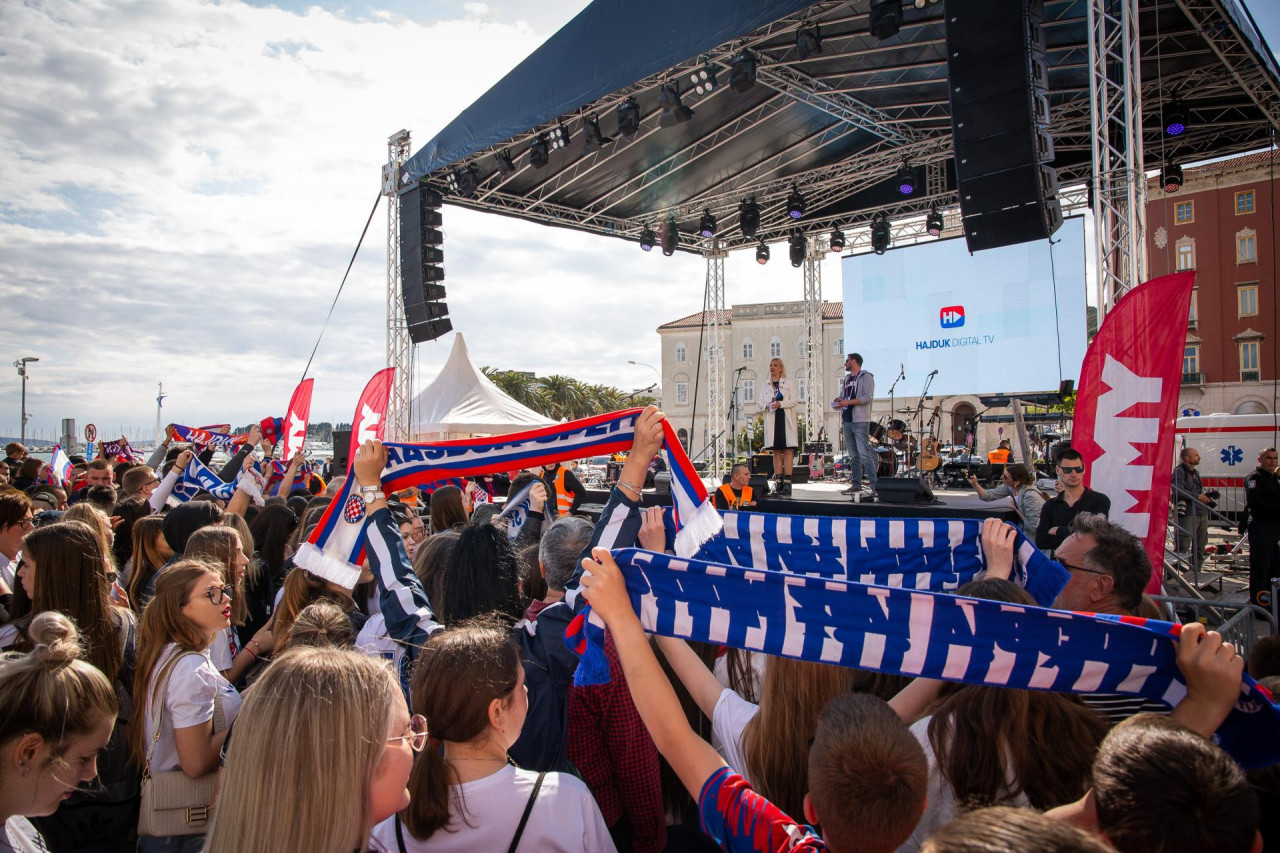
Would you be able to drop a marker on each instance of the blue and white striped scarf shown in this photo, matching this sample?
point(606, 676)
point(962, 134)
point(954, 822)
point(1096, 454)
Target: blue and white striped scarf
point(916, 633)
point(197, 477)
point(517, 510)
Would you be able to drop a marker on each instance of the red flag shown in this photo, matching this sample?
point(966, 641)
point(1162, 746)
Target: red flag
point(371, 412)
point(294, 433)
point(1127, 404)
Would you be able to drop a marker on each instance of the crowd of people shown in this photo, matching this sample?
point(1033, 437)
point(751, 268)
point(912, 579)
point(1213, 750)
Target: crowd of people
point(175, 679)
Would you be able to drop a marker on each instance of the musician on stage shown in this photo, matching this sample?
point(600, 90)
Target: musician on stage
point(735, 494)
point(855, 404)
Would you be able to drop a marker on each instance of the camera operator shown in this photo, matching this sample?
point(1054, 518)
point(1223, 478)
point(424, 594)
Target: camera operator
point(1193, 508)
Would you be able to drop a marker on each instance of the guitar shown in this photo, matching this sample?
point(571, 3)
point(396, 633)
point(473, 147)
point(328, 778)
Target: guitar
point(930, 458)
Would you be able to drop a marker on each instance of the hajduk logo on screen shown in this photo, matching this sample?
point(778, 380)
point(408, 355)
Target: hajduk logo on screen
point(951, 317)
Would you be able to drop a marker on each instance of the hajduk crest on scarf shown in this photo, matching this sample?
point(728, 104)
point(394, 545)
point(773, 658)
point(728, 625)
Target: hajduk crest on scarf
point(334, 546)
point(518, 509)
point(917, 633)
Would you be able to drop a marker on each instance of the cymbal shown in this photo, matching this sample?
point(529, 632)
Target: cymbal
point(906, 411)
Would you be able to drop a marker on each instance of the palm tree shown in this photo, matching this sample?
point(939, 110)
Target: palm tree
point(564, 395)
point(522, 387)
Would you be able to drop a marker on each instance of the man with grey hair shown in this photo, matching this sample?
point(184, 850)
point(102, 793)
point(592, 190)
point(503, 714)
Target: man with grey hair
point(335, 486)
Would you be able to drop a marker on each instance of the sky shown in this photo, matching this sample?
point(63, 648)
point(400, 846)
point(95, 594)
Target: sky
point(184, 184)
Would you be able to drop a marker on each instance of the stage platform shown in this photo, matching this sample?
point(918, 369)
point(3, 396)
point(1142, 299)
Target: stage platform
point(825, 498)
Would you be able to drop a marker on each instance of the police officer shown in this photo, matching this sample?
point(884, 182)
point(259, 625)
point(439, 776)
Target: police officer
point(1262, 500)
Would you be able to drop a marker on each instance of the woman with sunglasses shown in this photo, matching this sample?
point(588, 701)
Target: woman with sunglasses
point(325, 739)
point(184, 704)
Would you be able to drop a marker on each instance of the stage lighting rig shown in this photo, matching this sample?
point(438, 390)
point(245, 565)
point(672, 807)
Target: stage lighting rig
point(464, 181)
point(906, 179)
point(558, 137)
point(704, 80)
point(742, 71)
point(885, 18)
point(647, 239)
point(539, 151)
point(795, 203)
point(1171, 177)
point(808, 41)
point(796, 249)
point(506, 163)
point(592, 137)
point(1176, 117)
point(879, 233)
point(749, 218)
point(836, 240)
point(707, 224)
point(628, 117)
point(933, 223)
point(669, 236)
point(673, 109)
point(762, 253)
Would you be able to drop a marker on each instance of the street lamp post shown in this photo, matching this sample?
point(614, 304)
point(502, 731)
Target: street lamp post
point(650, 366)
point(21, 364)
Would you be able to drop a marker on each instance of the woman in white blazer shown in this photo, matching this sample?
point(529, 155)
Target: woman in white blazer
point(778, 402)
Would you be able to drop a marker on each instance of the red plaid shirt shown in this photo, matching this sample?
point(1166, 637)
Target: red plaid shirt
point(609, 744)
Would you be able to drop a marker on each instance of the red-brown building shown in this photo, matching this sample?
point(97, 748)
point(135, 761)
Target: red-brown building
point(1221, 224)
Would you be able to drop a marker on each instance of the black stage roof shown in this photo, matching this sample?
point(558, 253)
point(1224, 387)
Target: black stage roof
point(838, 124)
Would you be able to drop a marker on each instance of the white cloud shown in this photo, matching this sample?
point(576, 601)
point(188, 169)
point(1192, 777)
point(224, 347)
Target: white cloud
point(184, 185)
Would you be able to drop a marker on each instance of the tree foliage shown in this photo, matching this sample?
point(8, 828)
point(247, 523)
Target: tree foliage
point(562, 397)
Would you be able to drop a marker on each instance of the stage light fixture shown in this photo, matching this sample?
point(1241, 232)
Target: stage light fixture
point(795, 203)
point(707, 224)
point(879, 234)
point(808, 41)
point(837, 240)
point(885, 18)
point(506, 164)
point(646, 239)
point(742, 71)
point(592, 137)
point(539, 151)
point(628, 117)
point(1175, 118)
point(933, 223)
point(796, 249)
point(704, 80)
point(749, 217)
point(906, 179)
point(762, 253)
point(669, 235)
point(673, 110)
point(468, 179)
point(451, 182)
point(558, 137)
point(1171, 177)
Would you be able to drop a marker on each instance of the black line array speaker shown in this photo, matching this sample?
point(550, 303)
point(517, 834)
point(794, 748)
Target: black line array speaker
point(903, 490)
point(341, 445)
point(999, 83)
point(421, 263)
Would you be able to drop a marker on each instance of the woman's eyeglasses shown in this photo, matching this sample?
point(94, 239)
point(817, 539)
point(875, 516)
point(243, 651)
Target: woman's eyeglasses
point(219, 594)
point(415, 734)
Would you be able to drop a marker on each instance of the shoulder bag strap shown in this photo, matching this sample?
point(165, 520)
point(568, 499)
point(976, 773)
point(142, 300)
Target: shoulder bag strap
point(163, 685)
point(400, 835)
point(528, 807)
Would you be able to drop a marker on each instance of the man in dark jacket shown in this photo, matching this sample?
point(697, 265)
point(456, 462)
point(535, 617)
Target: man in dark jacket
point(1193, 507)
point(1262, 499)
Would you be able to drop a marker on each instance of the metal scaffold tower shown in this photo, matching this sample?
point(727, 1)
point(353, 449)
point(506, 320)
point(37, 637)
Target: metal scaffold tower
point(1120, 187)
point(717, 399)
point(813, 409)
point(399, 347)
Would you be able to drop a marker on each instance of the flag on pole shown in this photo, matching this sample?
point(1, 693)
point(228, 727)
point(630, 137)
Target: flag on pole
point(59, 467)
point(295, 420)
point(370, 419)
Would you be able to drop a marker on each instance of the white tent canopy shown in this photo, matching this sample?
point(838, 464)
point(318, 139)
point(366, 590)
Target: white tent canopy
point(461, 401)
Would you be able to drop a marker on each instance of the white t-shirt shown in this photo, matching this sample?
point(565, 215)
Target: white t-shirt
point(188, 701)
point(9, 569)
point(18, 834)
point(564, 818)
point(223, 649)
point(374, 640)
point(728, 720)
point(940, 806)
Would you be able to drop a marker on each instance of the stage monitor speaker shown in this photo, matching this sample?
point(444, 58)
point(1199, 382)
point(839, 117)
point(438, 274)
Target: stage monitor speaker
point(1066, 388)
point(341, 444)
point(998, 81)
point(762, 463)
point(759, 486)
point(903, 490)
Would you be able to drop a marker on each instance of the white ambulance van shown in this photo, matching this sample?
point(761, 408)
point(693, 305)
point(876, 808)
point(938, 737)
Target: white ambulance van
point(1229, 446)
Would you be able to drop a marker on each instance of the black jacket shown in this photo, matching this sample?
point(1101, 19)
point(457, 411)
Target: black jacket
point(1058, 513)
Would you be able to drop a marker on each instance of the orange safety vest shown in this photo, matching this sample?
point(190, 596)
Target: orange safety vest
point(733, 501)
point(999, 456)
point(564, 499)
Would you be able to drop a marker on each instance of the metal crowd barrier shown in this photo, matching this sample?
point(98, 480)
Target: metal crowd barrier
point(1238, 623)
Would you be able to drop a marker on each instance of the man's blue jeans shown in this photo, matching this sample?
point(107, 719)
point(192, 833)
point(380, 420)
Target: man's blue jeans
point(863, 460)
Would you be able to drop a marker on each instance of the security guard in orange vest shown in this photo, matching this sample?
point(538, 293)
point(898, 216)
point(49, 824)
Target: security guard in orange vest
point(735, 494)
point(563, 487)
point(1001, 455)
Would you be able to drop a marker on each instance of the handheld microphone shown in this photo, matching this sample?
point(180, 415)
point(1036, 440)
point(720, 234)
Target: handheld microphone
point(934, 373)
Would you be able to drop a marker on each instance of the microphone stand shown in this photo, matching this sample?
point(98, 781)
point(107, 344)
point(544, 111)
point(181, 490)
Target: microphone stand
point(920, 421)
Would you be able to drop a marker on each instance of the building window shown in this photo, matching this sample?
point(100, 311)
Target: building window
point(748, 390)
point(1191, 363)
point(800, 348)
point(1244, 202)
point(1184, 212)
point(837, 346)
point(1246, 246)
point(682, 393)
point(681, 353)
point(803, 389)
point(1194, 314)
point(748, 349)
point(1249, 361)
point(1186, 254)
point(775, 348)
point(1247, 300)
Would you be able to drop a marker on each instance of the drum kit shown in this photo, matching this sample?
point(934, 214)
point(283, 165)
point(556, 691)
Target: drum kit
point(902, 452)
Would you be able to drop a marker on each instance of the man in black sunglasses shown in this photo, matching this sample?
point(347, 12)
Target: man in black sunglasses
point(1055, 517)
